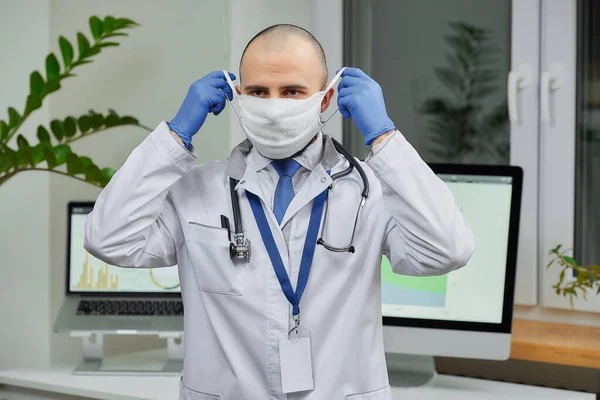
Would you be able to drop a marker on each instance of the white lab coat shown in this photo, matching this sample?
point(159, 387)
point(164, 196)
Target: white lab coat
point(160, 210)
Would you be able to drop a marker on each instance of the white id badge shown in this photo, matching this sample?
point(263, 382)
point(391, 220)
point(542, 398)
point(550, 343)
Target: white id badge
point(295, 361)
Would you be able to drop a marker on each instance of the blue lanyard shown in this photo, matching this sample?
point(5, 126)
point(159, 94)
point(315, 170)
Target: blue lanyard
point(307, 254)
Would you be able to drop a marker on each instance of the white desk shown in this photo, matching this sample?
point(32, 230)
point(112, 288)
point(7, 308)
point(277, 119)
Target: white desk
point(58, 383)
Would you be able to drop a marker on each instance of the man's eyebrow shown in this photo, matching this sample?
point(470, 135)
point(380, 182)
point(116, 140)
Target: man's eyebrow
point(294, 87)
point(250, 88)
point(256, 87)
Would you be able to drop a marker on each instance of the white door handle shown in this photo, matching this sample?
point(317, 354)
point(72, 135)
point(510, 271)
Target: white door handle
point(551, 81)
point(518, 81)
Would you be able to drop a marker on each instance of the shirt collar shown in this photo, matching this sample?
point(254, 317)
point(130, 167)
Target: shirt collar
point(245, 155)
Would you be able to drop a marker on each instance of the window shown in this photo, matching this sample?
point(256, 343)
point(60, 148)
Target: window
point(444, 69)
point(443, 66)
point(587, 147)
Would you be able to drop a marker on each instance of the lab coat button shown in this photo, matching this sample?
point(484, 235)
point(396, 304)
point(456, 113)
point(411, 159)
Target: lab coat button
point(323, 180)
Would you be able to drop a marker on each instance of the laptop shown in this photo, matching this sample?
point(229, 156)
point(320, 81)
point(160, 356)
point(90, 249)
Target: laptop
point(104, 298)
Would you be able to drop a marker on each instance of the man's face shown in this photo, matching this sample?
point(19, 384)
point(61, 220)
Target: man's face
point(282, 70)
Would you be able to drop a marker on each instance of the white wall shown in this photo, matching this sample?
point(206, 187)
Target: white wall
point(24, 233)
point(147, 77)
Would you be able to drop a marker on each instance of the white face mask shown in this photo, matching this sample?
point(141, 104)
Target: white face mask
point(279, 128)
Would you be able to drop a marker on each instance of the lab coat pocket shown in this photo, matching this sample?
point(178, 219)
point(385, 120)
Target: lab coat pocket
point(385, 393)
point(186, 393)
point(208, 248)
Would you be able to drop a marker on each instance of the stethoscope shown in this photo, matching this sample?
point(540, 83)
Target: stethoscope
point(240, 245)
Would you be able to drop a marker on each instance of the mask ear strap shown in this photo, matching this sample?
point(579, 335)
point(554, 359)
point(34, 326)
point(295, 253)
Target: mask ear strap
point(233, 93)
point(331, 85)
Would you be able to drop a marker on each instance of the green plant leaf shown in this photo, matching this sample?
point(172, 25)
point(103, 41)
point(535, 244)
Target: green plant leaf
point(93, 174)
point(60, 152)
point(561, 277)
point(3, 130)
point(74, 164)
point(108, 44)
point(571, 291)
point(556, 249)
point(108, 173)
point(5, 163)
point(43, 135)
point(108, 24)
point(36, 154)
point(23, 152)
point(81, 62)
point(66, 50)
point(128, 120)
point(570, 260)
point(36, 83)
point(50, 158)
point(13, 118)
point(116, 34)
point(51, 86)
point(436, 106)
point(10, 154)
point(57, 129)
point(86, 161)
point(83, 45)
point(451, 79)
point(70, 127)
point(112, 120)
point(461, 45)
point(96, 120)
point(34, 101)
point(121, 23)
point(84, 123)
point(95, 50)
point(22, 142)
point(96, 27)
point(598, 291)
point(52, 67)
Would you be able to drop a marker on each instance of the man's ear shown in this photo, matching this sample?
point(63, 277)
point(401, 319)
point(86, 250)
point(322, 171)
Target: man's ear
point(238, 89)
point(327, 99)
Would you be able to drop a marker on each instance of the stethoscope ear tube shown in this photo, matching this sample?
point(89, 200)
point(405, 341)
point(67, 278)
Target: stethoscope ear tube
point(235, 205)
point(338, 146)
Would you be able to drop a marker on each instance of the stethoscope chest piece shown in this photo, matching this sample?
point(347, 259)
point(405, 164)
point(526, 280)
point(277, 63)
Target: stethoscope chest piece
point(241, 249)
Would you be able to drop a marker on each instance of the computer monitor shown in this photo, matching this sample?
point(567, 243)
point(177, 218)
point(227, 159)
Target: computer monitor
point(87, 274)
point(468, 312)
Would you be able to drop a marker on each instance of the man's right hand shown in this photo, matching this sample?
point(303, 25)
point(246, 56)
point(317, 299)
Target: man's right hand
point(206, 95)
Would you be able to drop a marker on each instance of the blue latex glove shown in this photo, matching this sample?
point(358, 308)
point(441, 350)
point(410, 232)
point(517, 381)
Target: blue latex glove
point(361, 98)
point(206, 95)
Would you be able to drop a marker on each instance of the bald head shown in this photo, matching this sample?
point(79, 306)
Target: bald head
point(283, 44)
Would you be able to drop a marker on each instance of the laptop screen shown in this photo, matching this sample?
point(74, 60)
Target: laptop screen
point(89, 274)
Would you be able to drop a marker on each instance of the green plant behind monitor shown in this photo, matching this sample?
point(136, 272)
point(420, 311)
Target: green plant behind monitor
point(585, 277)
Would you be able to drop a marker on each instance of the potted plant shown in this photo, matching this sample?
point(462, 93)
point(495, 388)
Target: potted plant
point(52, 152)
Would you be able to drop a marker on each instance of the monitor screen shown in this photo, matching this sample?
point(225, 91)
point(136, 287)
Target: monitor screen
point(474, 293)
point(89, 274)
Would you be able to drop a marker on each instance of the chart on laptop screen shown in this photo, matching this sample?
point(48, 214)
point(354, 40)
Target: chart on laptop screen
point(89, 274)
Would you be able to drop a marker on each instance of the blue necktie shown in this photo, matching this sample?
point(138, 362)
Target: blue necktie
point(284, 193)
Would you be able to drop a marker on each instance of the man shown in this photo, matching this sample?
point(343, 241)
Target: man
point(244, 338)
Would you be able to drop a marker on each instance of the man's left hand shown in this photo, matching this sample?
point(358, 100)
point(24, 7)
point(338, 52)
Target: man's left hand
point(361, 98)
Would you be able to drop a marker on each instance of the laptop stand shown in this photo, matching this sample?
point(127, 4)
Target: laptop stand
point(93, 357)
